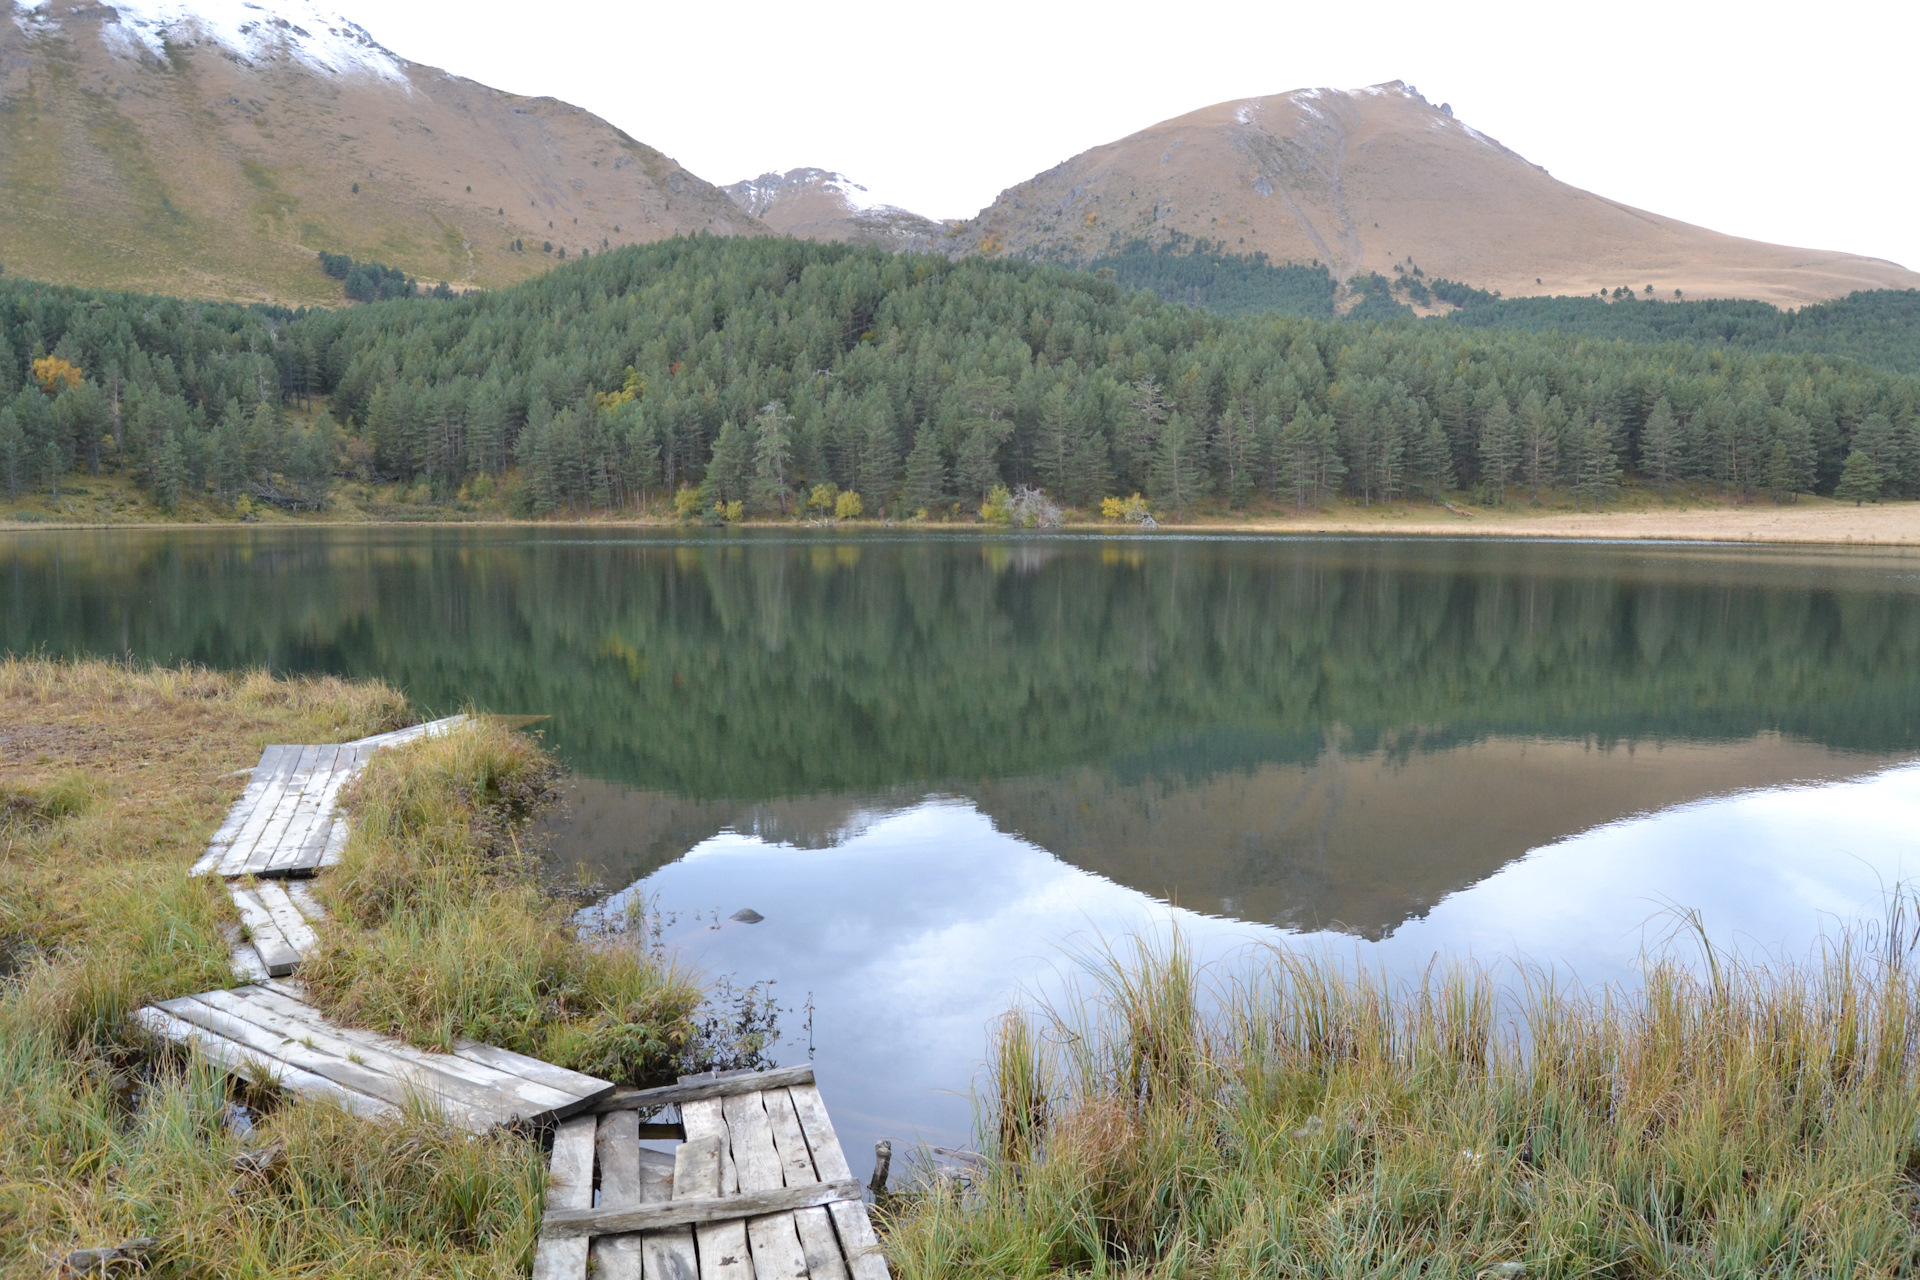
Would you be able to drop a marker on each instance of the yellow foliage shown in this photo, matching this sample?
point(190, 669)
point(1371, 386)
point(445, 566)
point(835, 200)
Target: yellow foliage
point(53, 374)
point(1112, 508)
point(733, 511)
point(686, 502)
point(848, 506)
point(997, 509)
point(630, 390)
point(823, 497)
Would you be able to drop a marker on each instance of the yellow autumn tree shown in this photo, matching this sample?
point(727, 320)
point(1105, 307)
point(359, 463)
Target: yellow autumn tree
point(55, 374)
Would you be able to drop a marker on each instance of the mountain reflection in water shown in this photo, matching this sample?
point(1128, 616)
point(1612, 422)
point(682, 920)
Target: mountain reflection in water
point(932, 760)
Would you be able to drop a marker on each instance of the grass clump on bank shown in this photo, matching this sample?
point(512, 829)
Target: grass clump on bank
point(112, 778)
point(440, 929)
point(1295, 1120)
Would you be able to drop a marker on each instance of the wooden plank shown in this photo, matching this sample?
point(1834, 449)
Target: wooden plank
point(716, 1087)
point(616, 1145)
point(237, 1059)
point(695, 1212)
point(314, 1049)
point(722, 1247)
point(569, 1186)
point(672, 1254)
point(775, 1240)
point(585, 1088)
point(817, 1240)
point(260, 857)
point(346, 767)
point(304, 902)
point(400, 737)
point(481, 1086)
point(237, 815)
point(275, 951)
point(261, 811)
point(270, 803)
point(858, 1242)
point(307, 813)
point(292, 924)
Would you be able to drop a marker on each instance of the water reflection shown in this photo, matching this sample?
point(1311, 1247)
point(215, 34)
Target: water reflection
point(913, 929)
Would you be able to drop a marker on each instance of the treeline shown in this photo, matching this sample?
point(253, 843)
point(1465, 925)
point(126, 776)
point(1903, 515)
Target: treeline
point(376, 281)
point(187, 398)
point(714, 372)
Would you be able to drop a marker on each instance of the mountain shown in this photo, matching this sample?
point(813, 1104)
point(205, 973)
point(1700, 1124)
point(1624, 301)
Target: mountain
point(1371, 178)
point(818, 204)
point(213, 149)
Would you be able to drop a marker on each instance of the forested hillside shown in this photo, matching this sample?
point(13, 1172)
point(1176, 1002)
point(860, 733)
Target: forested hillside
point(756, 371)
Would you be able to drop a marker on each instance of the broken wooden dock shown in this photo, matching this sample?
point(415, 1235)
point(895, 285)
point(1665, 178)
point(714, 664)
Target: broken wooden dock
point(759, 1188)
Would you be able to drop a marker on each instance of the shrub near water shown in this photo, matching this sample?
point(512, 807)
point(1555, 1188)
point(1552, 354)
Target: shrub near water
point(442, 932)
point(1299, 1121)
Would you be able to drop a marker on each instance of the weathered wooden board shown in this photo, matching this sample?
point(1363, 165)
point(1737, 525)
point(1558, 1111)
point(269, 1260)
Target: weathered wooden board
point(679, 1213)
point(268, 1025)
point(569, 1186)
point(858, 1242)
point(722, 1246)
point(263, 776)
point(276, 953)
point(616, 1148)
point(696, 1088)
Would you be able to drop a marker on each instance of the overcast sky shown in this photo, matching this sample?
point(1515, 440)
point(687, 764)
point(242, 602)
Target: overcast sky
point(1796, 124)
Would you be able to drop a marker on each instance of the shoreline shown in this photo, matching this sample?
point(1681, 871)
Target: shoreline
point(1882, 525)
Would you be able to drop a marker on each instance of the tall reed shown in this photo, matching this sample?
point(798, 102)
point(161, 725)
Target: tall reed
point(1291, 1116)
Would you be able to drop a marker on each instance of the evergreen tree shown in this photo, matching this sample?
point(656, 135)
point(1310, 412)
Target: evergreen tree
point(1499, 450)
point(926, 482)
point(229, 462)
point(14, 463)
point(1054, 440)
point(1860, 479)
point(1174, 482)
point(772, 457)
point(730, 467)
point(1310, 468)
point(1139, 441)
point(1429, 457)
point(1090, 470)
point(1233, 456)
point(1539, 444)
point(1660, 445)
point(976, 469)
point(1596, 467)
point(169, 472)
point(879, 463)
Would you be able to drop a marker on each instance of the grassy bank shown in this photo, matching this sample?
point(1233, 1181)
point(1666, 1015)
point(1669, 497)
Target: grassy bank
point(112, 779)
point(1296, 1121)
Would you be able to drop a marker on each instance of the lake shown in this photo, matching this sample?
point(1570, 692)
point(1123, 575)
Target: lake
point(940, 766)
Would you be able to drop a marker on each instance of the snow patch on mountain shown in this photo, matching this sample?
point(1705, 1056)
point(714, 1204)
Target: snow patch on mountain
point(299, 31)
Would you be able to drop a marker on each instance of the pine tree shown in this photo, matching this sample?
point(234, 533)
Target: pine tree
point(1596, 467)
point(879, 463)
point(730, 468)
point(975, 470)
point(13, 452)
point(926, 482)
point(1429, 458)
point(1054, 440)
point(1233, 459)
point(1660, 445)
point(1090, 470)
point(169, 472)
point(1539, 444)
point(1860, 479)
point(1175, 478)
point(772, 457)
point(1499, 450)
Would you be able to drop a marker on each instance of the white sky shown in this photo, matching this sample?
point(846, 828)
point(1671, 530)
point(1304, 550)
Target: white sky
point(1796, 124)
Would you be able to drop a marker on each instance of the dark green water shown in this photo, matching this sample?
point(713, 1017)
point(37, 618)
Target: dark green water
point(929, 760)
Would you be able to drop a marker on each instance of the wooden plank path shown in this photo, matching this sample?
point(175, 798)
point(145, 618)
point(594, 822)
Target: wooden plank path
point(267, 1032)
point(758, 1190)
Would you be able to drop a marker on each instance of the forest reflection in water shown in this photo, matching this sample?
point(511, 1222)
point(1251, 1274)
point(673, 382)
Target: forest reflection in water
point(951, 754)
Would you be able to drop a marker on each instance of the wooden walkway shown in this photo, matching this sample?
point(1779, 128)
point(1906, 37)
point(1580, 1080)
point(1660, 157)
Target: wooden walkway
point(758, 1188)
point(268, 1032)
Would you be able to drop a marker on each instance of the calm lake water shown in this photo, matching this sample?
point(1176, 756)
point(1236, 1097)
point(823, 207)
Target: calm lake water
point(941, 766)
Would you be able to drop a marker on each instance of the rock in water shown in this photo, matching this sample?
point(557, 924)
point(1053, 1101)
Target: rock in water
point(747, 915)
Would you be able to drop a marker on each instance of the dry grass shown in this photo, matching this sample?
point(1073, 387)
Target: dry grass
point(111, 780)
point(1294, 1120)
point(440, 930)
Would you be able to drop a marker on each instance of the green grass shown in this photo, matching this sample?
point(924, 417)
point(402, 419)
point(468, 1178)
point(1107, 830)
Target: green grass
point(1295, 1120)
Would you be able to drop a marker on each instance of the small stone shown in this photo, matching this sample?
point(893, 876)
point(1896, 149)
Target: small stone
point(747, 915)
point(110, 1260)
point(261, 1162)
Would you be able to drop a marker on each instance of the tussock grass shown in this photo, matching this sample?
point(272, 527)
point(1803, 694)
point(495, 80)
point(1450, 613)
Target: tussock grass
point(440, 929)
point(1294, 1119)
point(112, 777)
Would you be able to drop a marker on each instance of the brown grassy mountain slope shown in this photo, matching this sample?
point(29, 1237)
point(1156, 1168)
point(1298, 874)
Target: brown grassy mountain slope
point(817, 204)
point(1360, 180)
point(211, 151)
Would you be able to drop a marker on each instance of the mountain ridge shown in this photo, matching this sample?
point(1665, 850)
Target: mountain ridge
point(214, 149)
